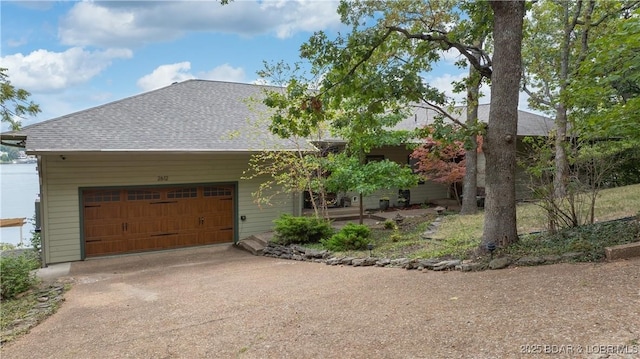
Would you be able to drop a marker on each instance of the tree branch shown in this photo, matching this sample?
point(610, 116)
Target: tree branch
point(366, 57)
point(466, 51)
point(533, 95)
point(441, 111)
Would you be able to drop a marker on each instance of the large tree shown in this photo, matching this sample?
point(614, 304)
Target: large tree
point(605, 90)
point(558, 38)
point(14, 102)
point(426, 26)
point(500, 141)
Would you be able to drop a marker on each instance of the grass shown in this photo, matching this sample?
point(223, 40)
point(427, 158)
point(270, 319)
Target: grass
point(459, 236)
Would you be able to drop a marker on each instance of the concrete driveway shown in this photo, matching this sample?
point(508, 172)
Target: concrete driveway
point(221, 302)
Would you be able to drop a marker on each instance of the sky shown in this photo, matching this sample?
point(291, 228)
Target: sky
point(76, 55)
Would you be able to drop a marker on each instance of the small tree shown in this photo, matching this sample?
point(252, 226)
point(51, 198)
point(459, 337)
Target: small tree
point(591, 167)
point(14, 102)
point(442, 157)
point(349, 173)
point(294, 114)
point(441, 163)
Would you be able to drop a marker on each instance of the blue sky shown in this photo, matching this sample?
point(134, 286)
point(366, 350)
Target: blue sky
point(76, 55)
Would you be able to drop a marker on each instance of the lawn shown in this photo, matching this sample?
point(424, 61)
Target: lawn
point(458, 236)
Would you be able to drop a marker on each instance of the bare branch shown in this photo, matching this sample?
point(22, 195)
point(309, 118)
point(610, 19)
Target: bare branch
point(441, 111)
point(535, 96)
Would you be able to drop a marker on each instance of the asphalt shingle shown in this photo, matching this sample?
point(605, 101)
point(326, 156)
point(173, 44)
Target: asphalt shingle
point(194, 115)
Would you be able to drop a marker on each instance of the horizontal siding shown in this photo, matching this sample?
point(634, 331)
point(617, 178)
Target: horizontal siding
point(64, 178)
point(482, 164)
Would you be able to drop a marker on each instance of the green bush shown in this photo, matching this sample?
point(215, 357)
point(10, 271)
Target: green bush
point(16, 274)
point(6, 246)
point(390, 224)
point(350, 237)
point(290, 229)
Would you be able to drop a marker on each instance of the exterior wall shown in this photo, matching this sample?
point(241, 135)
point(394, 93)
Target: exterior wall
point(61, 180)
point(482, 164)
point(523, 180)
point(421, 193)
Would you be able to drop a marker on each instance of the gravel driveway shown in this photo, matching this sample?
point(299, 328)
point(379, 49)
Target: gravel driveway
point(221, 302)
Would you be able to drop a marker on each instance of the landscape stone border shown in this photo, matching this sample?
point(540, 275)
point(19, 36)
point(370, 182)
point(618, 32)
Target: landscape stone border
point(301, 253)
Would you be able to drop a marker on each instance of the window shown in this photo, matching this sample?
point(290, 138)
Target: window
point(102, 196)
point(191, 192)
point(374, 158)
point(136, 195)
point(217, 191)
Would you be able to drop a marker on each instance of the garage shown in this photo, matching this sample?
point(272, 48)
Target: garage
point(126, 220)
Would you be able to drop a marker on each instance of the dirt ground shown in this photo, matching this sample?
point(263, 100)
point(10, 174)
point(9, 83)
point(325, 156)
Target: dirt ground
point(221, 302)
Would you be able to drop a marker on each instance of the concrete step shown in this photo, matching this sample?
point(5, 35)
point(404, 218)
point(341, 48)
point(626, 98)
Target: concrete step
point(255, 244)
point(252, 246)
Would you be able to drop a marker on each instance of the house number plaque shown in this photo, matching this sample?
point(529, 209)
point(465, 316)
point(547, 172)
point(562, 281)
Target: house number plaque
point(163, 178)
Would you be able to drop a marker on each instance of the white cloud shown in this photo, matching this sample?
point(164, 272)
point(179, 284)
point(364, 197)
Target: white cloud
point(165, 75)
point(224, 72)
point(117, 24)
point(445, 81)
point(451, 56)
point(43, 70)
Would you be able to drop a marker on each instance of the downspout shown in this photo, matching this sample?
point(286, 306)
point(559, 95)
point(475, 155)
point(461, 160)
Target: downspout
point(39, 215)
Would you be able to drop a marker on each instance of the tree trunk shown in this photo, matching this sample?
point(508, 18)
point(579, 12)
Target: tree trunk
point(361, 209)
point(500, 143)
point(470, 184)
point(560, 160)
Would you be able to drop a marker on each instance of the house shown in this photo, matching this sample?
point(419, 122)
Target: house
point(529, 125)
point(160, 170)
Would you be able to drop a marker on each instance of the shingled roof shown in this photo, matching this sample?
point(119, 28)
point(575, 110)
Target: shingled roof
point(194, 116)
point(529, 124)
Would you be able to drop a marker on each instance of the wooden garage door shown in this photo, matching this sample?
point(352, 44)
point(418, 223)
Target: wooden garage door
point(143, 219)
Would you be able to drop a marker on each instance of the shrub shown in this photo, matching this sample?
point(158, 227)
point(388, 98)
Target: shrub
point(350, 237)
point(6, 246)
point(16, 274)
point(390, 224)
point(290, 229)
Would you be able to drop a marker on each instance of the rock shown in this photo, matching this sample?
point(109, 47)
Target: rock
point(357, 262)
point(383, 262)
point(530, 261)
point(333, 261)
point(347, 261)
point(297, 257)
point(367, 262)
point(445, 265)
point(313, 253)
point(400, 262)
point(428, 263)
point(471, 267)
point(411, 265)
point(552, 258)
point(500, 263)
